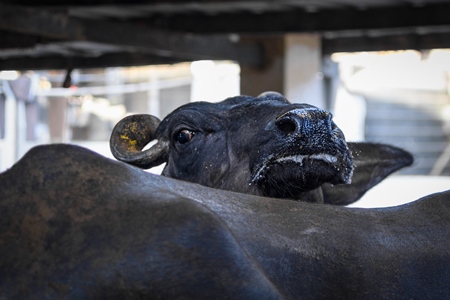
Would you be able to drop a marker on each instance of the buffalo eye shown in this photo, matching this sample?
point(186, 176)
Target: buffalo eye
point(184, 136)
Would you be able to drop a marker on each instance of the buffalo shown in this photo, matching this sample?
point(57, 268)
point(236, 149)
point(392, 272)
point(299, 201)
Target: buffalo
point(262, 146)
point(77, 225)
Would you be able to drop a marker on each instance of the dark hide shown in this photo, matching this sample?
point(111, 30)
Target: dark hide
point(262, 146)
point(76, 225)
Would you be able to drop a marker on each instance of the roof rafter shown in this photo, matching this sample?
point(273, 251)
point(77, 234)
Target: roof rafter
point(78, 62)
point(301, 20)
point(404, 41)
point(181, 46)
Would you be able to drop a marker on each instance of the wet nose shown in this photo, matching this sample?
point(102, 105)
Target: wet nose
point(304, 121)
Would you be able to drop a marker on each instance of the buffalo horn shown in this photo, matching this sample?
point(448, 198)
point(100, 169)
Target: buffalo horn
point(130, 136)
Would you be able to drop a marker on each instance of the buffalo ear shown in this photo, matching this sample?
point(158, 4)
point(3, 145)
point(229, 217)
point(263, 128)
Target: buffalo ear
point(373, 163)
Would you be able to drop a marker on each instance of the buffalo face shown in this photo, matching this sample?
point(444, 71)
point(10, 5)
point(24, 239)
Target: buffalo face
point(263, 146)
point(303, 149)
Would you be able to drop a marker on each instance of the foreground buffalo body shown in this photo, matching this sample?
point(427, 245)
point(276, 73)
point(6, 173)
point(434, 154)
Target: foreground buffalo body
point(262, 146)
point(76, 225)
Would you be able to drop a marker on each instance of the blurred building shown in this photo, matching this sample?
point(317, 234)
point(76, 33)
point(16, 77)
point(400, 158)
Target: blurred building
point(36, 109)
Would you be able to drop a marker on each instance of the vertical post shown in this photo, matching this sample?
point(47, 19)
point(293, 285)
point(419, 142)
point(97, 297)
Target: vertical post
point(8, 145)
point(268, 77)
point(57, 107)
point(303, 69)
point(153, 94)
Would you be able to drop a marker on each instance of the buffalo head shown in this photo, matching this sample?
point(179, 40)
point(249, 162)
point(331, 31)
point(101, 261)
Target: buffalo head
point(262, 146)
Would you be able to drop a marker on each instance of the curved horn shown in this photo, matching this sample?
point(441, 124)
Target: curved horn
point(273, 96)
point(130, 136)
point(270, 93)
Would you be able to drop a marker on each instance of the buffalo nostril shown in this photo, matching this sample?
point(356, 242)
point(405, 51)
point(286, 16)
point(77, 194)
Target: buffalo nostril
point(286, 125)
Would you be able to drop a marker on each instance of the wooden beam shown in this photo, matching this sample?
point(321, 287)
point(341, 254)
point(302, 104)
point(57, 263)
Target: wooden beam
point(64, 62)
point(110, 2)
point(163, 43)
point(381, 43)
point(10, 40)
point(147, 2)
point(299, 20)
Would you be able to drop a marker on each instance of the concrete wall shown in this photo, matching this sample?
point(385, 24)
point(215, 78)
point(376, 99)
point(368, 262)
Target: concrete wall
point(293, 67)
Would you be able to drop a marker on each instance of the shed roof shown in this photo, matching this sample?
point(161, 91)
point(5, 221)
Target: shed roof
point(42, 34)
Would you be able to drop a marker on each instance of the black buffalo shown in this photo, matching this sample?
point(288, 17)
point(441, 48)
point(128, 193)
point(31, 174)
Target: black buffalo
point(75, 225)
point(262, 146)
